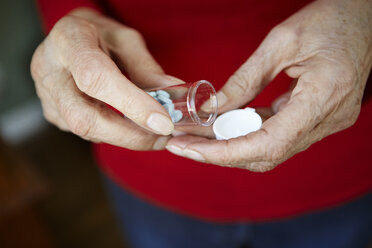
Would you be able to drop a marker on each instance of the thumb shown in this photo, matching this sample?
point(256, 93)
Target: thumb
point(251, 78)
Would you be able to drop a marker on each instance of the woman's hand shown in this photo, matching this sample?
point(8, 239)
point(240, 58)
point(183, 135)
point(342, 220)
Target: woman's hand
point(77, 70)
point(327, 49)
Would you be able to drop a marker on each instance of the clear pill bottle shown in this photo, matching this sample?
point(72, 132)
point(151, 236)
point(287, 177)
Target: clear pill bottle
point(188, 104)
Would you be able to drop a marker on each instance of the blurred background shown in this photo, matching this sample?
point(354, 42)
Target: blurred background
point(51, 193)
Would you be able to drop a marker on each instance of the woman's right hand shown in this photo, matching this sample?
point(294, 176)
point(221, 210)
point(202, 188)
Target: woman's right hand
point(77, 70)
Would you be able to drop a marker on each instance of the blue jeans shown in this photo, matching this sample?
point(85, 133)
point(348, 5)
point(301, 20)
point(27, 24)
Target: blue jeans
point(148, 226)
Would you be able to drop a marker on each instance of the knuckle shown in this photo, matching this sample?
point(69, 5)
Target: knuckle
point(61, 29)
point(140, 143)
point(276, 155)
point(228, 160)
point(34, 69)
point(52, 117)
point(49, 85)
point(72, 23)
point(71, 28)
point(351, 120)
point(126, 36)
point(284, 33)
point(36, 64)
point(134, 109)
point(89, 76)
point(233, 154)
point(335, 72)
point(79, 122)
point(47, 115)
point(354, 116)
point(260, 166)
point(38, 91)
point(240, 81)
point(133, 33)
point(339, 73)
point(79, 126)
point(345, 82)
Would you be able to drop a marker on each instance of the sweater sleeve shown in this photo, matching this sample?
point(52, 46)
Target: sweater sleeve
point(52, 11)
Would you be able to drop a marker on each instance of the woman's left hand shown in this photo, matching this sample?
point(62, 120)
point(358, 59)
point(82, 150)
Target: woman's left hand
point(327, 48)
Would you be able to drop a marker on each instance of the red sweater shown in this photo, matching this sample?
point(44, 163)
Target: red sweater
point(209, 39)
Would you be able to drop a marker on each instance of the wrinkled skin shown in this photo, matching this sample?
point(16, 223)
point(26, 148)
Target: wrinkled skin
point(77, 70)
point(327, 49)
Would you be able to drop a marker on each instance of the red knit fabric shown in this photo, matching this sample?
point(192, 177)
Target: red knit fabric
point(52, 11)
point(209, 40)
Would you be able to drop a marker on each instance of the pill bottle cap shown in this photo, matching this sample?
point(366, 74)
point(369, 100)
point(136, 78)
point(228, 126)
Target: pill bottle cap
point(237, 122)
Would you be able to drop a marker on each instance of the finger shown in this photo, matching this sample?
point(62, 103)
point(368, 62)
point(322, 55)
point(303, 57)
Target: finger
point(97, 75)
point(237, 152)
point(194, 130)
point(92, 120)
point(278, 139)
point(53, 116)
point(49, 108)
point(265, 63)
point(130, 52)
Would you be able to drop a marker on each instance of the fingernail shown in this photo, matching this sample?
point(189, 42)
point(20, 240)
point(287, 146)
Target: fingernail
point(206, 107)
point(176, 133)
point(193, 155)
point(277, 104)
point(160, 124)
point(185, 153)
point(175, 150)
point(221, 99)
point(174, 80)
point(160, 143)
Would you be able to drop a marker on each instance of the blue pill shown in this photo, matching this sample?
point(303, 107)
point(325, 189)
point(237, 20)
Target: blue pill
point(176, 116)
point(169, 107)
point(163, 99)
point(163, 93)
point(152, 93)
